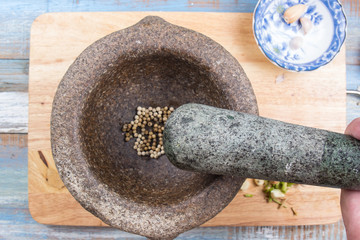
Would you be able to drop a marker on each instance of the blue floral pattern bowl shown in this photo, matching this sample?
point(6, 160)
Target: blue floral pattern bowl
point(319, 46)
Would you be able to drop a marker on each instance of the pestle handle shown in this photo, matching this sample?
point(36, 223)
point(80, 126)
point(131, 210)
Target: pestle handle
point(224, 142)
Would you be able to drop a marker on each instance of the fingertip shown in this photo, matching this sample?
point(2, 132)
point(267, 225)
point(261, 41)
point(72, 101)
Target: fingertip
point(353, 129)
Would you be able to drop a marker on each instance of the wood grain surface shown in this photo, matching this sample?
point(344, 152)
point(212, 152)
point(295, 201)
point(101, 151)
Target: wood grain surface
point(315, 99)
point(16, 18)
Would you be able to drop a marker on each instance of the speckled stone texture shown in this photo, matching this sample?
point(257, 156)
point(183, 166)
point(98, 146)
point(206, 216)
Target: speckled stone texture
point(152, 63)
point(211, 140)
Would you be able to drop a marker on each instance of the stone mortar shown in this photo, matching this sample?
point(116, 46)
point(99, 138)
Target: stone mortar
point(152, 63)
point(219, 141)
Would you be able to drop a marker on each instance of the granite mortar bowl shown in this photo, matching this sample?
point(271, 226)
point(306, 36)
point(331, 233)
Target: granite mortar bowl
point(152, 63)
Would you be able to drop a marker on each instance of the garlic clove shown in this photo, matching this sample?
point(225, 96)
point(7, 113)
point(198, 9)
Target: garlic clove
point(292, 14)
point(296, 43)
point(306, 25)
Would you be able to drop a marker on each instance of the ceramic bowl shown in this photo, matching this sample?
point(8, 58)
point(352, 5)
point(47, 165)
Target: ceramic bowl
point(319, 46)
point(152, 63)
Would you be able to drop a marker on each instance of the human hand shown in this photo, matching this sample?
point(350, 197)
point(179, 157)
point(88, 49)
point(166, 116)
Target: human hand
point(350, 200)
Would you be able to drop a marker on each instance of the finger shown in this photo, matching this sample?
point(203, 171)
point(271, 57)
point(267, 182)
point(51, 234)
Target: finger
point(350, 200)
point(353, 129)
point(350, 209)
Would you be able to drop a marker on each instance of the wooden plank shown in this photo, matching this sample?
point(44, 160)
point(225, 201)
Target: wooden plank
point(352, 77)
point(314, 99)
point(13, 112)
point(353, 7)
point(14, 75)
point(13, 96)
point(352, 40)
point(353, 100)
point(12, 140)
point(353, 107)
point(153, 5)
point(16, 18)
point(13, 172)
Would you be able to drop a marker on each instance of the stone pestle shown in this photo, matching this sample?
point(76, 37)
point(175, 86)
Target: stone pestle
point(217, 141)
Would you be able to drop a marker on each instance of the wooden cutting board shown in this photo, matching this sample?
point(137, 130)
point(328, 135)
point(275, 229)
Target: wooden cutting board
point(315, 99)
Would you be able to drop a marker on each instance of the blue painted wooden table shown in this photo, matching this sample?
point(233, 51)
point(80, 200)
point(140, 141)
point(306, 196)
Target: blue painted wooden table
point(16, 17)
